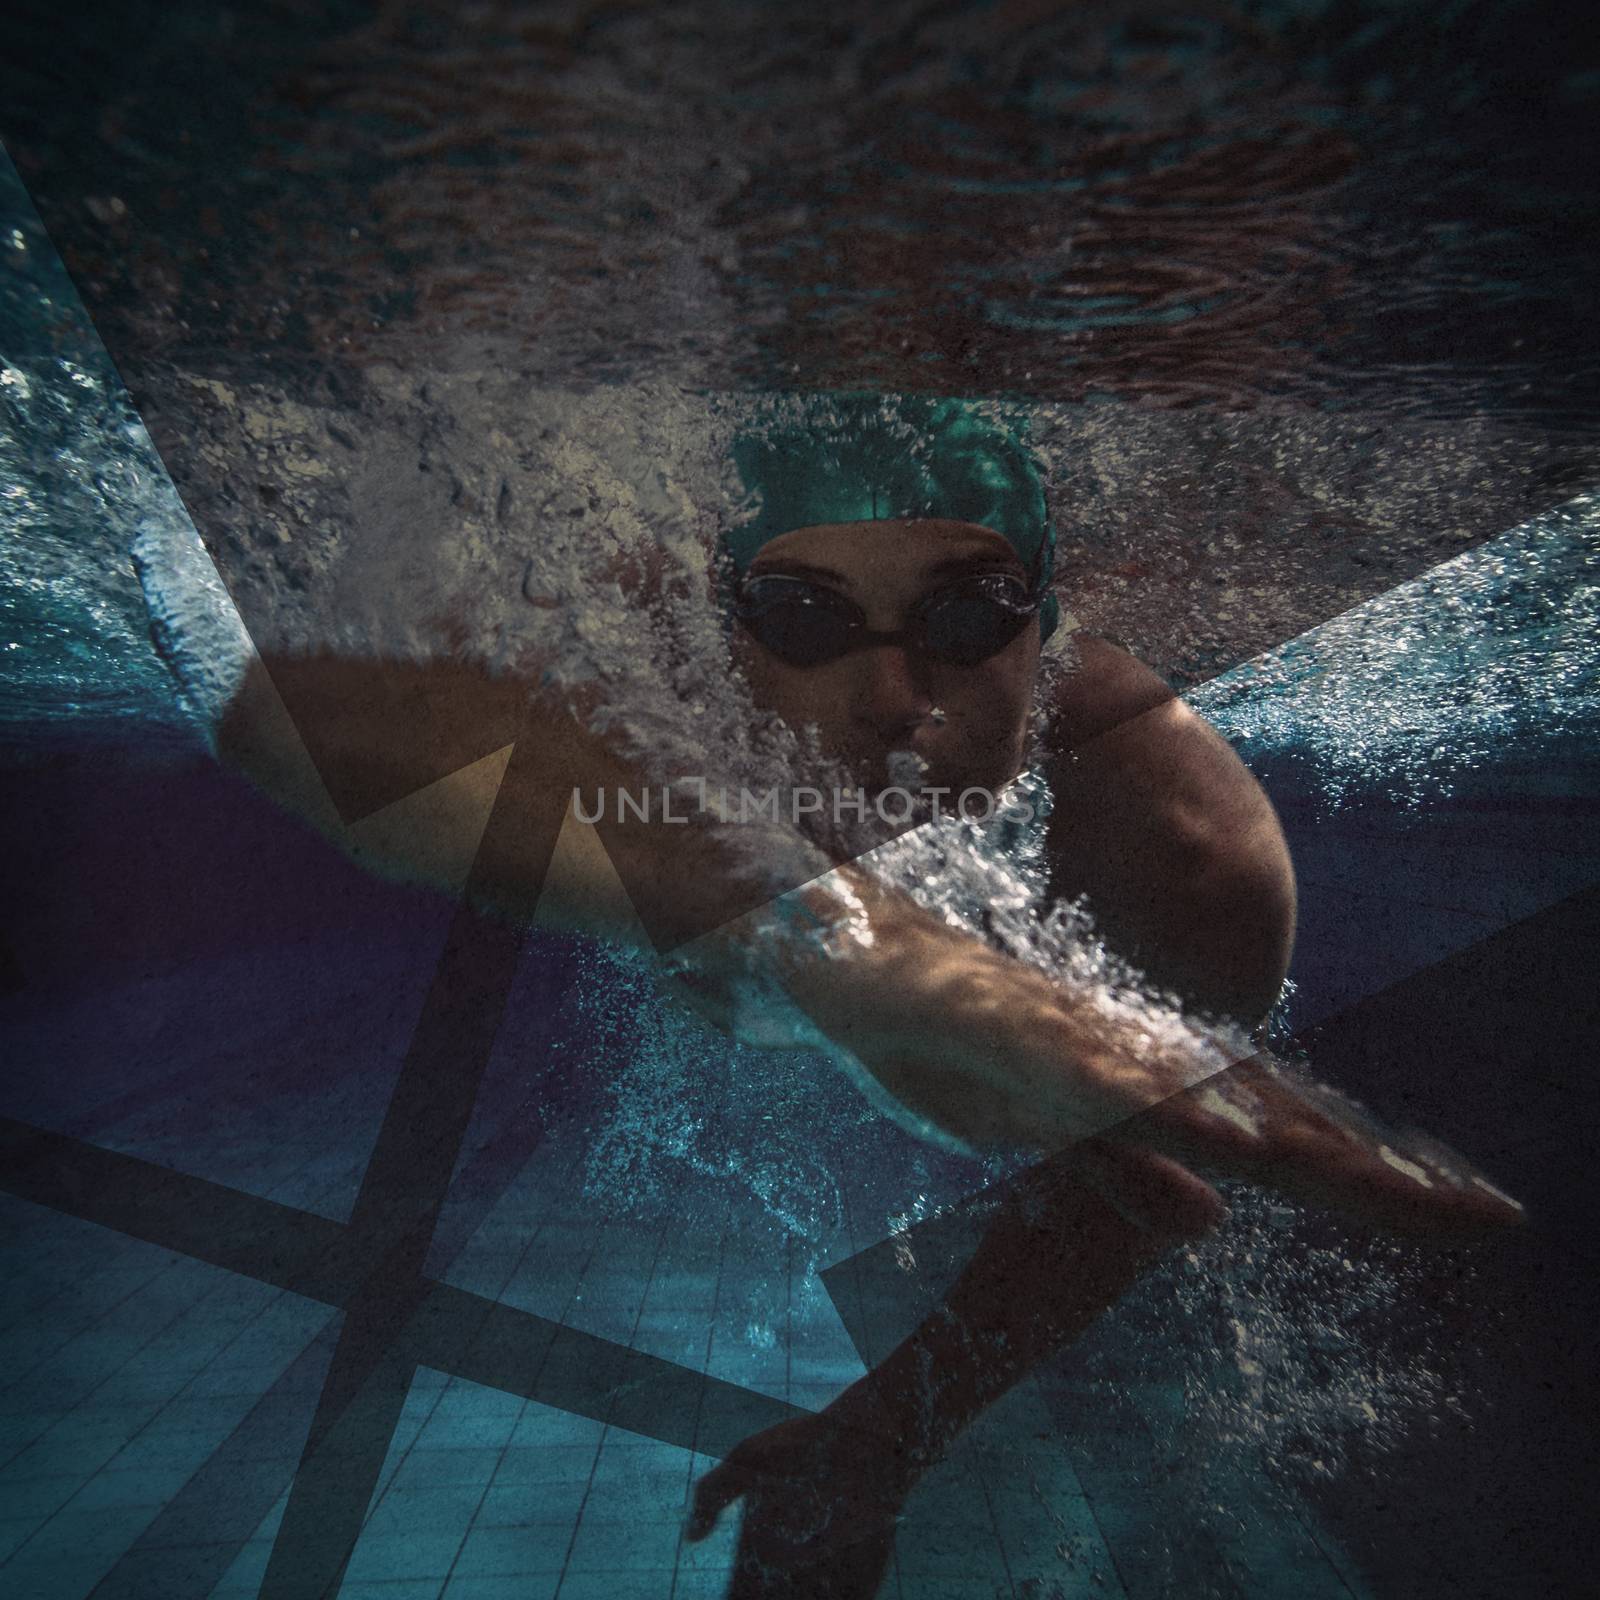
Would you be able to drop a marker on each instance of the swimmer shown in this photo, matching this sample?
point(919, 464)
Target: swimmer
point(892, 593)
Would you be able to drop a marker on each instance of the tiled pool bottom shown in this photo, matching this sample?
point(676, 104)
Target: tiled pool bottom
point(156, 1405)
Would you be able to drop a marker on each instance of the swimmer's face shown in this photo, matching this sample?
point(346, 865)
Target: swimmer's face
point(969, 723)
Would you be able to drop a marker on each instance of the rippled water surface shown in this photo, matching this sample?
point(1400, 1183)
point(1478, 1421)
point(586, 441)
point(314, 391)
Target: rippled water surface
point(1301, 291)
point(1346, 204)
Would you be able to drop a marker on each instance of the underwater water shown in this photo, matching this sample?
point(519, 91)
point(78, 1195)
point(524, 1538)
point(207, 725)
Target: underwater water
point(395, 331)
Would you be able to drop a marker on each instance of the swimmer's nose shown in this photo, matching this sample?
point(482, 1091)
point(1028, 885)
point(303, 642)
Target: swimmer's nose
point(891, 694)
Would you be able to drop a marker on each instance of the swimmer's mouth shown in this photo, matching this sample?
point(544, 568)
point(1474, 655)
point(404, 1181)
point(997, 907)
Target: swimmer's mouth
point(908, 764)
point(897, 770)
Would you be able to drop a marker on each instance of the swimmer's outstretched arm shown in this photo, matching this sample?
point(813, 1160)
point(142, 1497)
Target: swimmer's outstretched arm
point(993, 1051)
point(1180, 852)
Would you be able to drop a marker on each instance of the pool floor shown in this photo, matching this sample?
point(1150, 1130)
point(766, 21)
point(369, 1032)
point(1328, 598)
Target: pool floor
point(157, 1405)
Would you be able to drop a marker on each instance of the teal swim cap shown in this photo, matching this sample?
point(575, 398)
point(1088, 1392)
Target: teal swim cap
point(823, 458)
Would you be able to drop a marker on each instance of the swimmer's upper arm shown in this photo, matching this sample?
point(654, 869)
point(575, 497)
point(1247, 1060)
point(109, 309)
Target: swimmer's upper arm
point(399, 764)
point(1175, 843)
point(396, 763)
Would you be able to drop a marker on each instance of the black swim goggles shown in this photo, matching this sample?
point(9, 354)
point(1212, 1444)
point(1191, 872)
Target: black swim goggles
point(806, 624)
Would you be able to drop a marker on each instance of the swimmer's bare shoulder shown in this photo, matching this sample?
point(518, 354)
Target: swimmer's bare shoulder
point(1164, 828)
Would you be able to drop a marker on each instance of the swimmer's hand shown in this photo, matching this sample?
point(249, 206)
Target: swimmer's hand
point(1000, 1055)
point(1270, 1123)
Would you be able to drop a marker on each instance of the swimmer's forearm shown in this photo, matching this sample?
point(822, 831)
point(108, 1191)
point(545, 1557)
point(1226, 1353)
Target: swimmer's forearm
point(968, 1038)
point(999, 1055)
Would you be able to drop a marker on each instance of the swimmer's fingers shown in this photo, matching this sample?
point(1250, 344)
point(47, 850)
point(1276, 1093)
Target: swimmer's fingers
point(726, 1482)
point(1265, 1122)
point(772, 1461)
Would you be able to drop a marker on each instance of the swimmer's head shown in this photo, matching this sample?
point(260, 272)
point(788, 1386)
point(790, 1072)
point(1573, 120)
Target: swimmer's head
point(834, 459)
point(921, 524)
